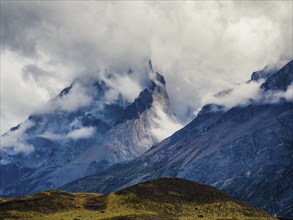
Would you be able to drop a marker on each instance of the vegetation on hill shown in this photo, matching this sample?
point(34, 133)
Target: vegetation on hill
point(166, 198)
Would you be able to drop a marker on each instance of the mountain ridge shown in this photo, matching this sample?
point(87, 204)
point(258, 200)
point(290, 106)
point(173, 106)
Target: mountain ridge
point(239, 150)
point(62, 151)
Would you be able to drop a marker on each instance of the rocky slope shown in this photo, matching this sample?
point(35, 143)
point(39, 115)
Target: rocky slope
point(166, 198)
point(246, 151)
point(63, 142)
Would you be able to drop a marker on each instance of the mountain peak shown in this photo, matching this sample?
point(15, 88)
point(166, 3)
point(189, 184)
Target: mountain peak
point(141, 103)
point(266, 72)
point(156, 94)
point(281, 79)
point(107, 129)
point(155, 76)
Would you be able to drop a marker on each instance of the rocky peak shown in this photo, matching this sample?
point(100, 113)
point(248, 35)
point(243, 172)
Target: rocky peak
point(281, 79)
point(155, 94)
point(141, 103)
point(156, 78)
point(65, 91)
point(266, 72)
point(70, 144)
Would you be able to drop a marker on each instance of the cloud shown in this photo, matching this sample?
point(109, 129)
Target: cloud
point(15, 142)
point(201, 47)
point(41, 77)
point(19, 97)
point(244, 94)
point(52, 136)
point(122, 84)
point(84, 132)
point(77, 97)
point(238, 95)
point(166, 125)
point(276, 96)
point(79, 133)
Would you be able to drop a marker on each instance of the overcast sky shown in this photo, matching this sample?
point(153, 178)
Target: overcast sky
point(200, 47)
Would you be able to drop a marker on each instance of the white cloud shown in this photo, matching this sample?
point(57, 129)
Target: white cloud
point(238, 95)
point(276, 96)
point(15, 142)
point(243, 94)
point(166, 126)
point(52, 136)
point(77, 97)
point(201, 47)
point(84, 132)
point(19, 97)
point(288, 94)
point(122, 84)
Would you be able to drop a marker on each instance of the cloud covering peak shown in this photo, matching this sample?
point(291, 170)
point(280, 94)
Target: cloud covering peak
point(200, 47)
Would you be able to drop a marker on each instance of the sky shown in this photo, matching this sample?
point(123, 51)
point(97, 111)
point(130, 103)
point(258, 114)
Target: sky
point(201, 48)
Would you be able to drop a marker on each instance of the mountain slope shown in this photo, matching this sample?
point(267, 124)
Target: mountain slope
point(71, 143)
point(166, 198)
point(246, 151)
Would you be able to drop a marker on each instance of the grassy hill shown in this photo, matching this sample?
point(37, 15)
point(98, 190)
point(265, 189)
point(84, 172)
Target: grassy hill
point(166, 198)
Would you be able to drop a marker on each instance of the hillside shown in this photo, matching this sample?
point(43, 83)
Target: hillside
point(165, 198)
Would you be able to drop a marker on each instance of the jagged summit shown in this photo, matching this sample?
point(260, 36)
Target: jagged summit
point(281, 79)
point(266, 72)
point(154, 95)
point(140, 104)
point(86, 128)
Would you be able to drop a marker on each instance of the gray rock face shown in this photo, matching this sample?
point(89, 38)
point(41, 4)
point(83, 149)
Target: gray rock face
point(246, 151)
point(119, 131)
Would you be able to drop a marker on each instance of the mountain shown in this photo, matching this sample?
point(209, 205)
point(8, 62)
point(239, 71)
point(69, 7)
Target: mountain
point(281, 79)
point(80, 132)
point(166, 198)
point(266, 72)
point(246, 151)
